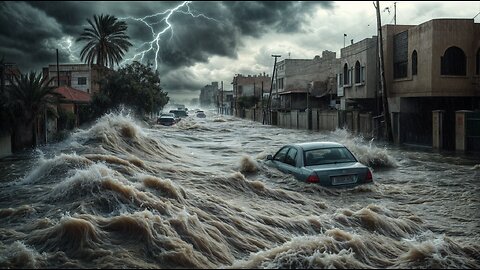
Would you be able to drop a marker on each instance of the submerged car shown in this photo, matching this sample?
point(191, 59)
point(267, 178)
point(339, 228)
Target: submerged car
point(179, 113)
point(166, 120)
point(201, 114)
point(326, 163)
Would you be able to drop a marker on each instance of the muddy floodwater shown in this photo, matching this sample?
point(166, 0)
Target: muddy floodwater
point(124, 194)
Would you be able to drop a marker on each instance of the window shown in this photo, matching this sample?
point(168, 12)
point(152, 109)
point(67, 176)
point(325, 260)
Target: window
point(345, 74)
point(328, 156)
point(280, 83)
point(350, 76)
point(362, 74)
point(280, 155)
point(82, 80)
point(414, 63)
point(454, 62)
point(357, 72)
point(400, 55)
point(291, 157)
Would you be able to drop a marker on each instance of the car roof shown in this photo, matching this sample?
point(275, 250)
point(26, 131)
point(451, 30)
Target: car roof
point(317, 145)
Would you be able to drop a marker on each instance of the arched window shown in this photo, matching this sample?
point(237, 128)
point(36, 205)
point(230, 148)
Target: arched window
point(414, 63)
point(357, 72)
point(345, 74)
point(454, 62)
point(478, 62)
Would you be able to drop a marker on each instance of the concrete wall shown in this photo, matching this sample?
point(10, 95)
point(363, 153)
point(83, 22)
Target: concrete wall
point(328, 120)
point(302, 120)
point(5, 145)
point(294, 119)
point(315, 120)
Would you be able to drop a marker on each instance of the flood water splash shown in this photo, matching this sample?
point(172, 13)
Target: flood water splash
point(200, 194)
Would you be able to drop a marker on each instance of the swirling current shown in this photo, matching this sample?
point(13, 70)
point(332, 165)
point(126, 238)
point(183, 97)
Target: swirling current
point(122, 193)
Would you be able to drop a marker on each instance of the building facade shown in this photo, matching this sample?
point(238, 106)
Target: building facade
point(208, 95)
point(357, 76)
point(82, 77)
point(431, 67)
point(250, 90)
point(301, 83)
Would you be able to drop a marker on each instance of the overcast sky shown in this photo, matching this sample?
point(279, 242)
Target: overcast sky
point(206, 41)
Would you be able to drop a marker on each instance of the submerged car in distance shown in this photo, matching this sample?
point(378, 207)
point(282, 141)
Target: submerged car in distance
point(326, 163)
point(201, 114)
point(179, 113)
point(166, 120)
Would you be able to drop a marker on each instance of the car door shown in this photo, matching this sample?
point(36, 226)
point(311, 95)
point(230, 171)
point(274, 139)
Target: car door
point(289, 161)
point(279, 158)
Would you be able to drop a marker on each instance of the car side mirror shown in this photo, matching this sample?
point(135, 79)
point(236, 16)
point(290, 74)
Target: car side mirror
point(269, 157)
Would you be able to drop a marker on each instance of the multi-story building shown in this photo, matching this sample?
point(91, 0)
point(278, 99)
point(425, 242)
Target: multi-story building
point(226, 102)
point(250, 87)
point(303, 82)
point(208, 95)
point(431, 67)
point(82, 77)
point(357, 76)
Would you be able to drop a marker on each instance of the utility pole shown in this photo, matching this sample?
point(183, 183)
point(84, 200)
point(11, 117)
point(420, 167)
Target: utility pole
point(221, 98)
point(263, 108)
point(271, 88)
point(58, 72)
point(386, 113)
point(395, 13)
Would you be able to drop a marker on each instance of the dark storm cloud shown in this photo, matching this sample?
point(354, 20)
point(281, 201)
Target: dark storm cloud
point(31, 30)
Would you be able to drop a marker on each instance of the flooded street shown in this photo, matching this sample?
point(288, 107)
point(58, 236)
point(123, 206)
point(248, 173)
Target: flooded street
point(200, 195)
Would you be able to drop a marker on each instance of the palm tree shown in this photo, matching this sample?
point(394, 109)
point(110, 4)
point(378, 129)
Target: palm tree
point(28, 99)
point(107, 41)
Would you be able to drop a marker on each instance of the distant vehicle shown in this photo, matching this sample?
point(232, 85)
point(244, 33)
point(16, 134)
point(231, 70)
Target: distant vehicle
point(179, 113)
point(201, 114)
point(166, 120)
point(177, 119)
point(326, 163)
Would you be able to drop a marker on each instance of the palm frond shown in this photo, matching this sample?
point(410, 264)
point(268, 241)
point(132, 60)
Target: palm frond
point(107, 41)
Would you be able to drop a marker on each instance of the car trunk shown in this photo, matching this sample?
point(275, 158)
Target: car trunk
point(339, 174)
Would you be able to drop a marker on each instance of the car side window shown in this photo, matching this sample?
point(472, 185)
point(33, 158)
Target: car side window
point(280, 155)
point(291, 157)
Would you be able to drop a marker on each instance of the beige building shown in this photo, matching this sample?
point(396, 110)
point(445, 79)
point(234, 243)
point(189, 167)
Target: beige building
point(295, 79)
point(82, 77)
point(358, 76)
point(250, 86)
point(430, 67)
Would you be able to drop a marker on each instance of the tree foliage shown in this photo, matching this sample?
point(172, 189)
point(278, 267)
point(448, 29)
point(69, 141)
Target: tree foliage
point(29, 97)
point(136, 86)
point(106, 41)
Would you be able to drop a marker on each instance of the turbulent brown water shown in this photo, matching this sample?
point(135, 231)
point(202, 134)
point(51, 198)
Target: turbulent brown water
point(123, 194)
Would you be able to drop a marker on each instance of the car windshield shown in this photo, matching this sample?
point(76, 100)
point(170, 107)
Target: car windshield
point(328, 156)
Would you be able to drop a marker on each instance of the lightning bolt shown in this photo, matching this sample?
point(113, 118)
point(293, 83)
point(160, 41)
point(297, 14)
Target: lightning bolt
point(66, 44)
point(160, 18)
